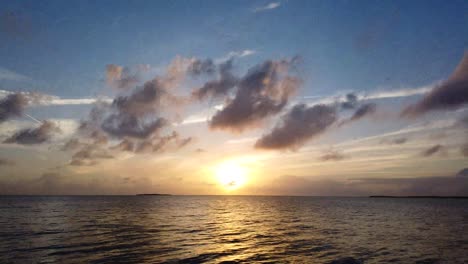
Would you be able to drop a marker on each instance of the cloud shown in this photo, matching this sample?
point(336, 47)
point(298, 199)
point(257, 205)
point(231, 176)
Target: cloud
point(37, 99)
point(113, 72)
point(54, 183)
point(362, 111)
point(347, 98)
point(125, 125)
point(32, 136)
point(421, 186)
point(432, 150)
point(263, 92)
point(417, 186)
point(268, 6)
point(351, 101)
point(240, 54)
point(464, 150)
point(398, 93)
point(72, 144)
point(6, 162)
point(120, 77)
point(450, 94)
point(332, 155)
point(463, 173)
point(396, 141)
point(6, 74)
point(91, 153)
point(299, 125)
point(12, 106)
point(199, 67)
point(297, 185)
point(236, 54)
point(88, 151)
point(219, 87)
point(134, 121)
point(160, 144)
point(155, 144)
point(137, 114)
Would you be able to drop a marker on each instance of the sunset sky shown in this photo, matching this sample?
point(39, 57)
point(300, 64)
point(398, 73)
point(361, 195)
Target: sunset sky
point(234, 97)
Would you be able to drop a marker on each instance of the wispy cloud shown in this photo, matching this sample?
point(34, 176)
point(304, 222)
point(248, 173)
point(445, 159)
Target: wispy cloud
point(417, 128)
point(6, 74)
point(268, 6)
point(235, 54)
point(46, 100)
point(382, 94)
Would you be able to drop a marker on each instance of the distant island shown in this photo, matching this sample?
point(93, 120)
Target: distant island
point(153, 194)
point(423, 197)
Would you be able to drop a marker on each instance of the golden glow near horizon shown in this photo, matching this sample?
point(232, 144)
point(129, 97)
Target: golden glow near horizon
point(231, 175)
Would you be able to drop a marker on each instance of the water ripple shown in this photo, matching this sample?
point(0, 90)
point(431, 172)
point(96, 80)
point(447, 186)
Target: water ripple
point(217, 229)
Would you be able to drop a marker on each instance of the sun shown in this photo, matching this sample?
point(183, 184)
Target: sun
point(231, 175)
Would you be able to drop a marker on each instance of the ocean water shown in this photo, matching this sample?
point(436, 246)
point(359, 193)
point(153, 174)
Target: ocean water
point(231, 229)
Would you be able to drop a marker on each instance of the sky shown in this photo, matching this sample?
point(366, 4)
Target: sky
point(329, 98)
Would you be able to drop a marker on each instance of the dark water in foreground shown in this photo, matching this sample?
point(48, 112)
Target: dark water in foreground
point(214, 229)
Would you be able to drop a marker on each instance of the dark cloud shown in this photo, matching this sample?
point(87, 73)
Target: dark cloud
point(160, 144)
point(134, 118)
point(219, 87)
point(120, 77)
point(362, 111)
point(463, 173)
point(142, 101)
point(37, 135)
point(198, 67)
point(154, 144)
point(398, 141)
point(88, 151)
point(300, 124)
point(464, 150)
point(125, 145)
point(264, 91)
point(88, 155)
point(332, 155)
point(184, 142)
point(450, 94)
point(12, 106)
point(432, 150)
point(6, 162)
point(351, 101)
point(124, 125)
point(136, 115)
point(71, 144)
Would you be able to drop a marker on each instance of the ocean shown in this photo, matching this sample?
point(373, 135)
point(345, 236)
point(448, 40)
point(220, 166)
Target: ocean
point(231, 229)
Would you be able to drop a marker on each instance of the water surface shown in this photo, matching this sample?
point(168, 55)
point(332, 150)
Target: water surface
point(231, 229)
